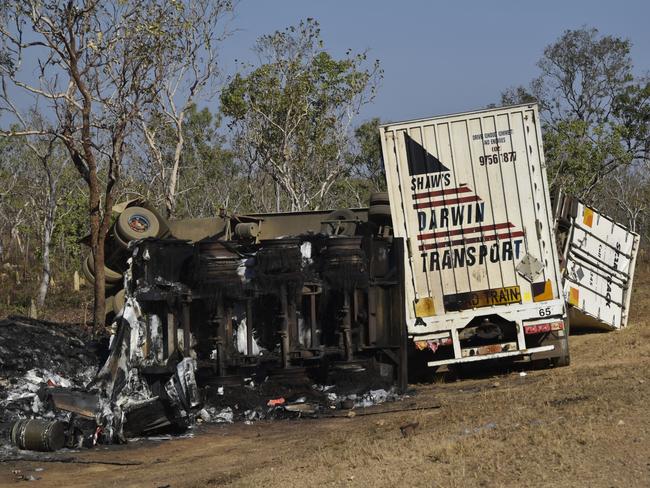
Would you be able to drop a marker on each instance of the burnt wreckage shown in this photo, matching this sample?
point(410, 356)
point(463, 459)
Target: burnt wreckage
point(287, 297)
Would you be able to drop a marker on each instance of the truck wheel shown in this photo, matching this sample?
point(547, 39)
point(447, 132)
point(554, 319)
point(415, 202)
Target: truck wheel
point(85, 271)
point(379, 198)
point(118, 302)
point(110, 275)
point(109, 305)
point(379, 214)
point(379, 211)
point(121, 243)
point(561, 361)
point(564, 359)
point(137, 223)
point(340, 228)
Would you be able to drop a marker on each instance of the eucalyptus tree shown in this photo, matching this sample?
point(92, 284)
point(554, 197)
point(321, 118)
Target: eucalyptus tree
point(292, 115)
point(93, 67)
point(594, 112)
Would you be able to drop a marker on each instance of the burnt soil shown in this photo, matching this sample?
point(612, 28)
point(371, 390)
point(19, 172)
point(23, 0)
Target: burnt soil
point(584, 425)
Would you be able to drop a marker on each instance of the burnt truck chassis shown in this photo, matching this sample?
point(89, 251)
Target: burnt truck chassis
point(296, 306)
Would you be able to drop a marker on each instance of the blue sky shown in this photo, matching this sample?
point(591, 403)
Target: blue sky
point(442, 56)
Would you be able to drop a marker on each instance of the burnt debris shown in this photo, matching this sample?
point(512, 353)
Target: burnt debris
point(225, 329)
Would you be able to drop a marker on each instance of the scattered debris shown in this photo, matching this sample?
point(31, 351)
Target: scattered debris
point(568, 400)
point(301, 408)
point(408, 430)
point(38, 435)
point(36, 356)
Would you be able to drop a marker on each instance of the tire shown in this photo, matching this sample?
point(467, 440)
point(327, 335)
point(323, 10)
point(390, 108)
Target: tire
point(88, 275)
point(565, 359)
point(379, 198)
point(110, 305)
point(379, 211)
point(118, 302)
point(379, 214)
point(110, 276)
point(136, 223)
point(343, 228)
point(121, 243)
point(561, 361)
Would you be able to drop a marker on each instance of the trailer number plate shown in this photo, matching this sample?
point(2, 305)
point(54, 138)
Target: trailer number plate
point(482, 298)
point(491, 349)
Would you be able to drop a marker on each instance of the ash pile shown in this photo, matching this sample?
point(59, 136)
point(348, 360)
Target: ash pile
point(232, 328)
point(37, 357)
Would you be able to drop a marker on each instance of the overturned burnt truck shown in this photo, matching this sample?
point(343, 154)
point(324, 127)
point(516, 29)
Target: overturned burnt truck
point(300, 298)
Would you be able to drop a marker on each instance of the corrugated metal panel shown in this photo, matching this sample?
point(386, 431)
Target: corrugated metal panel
point(469, 193)
point(600, 260)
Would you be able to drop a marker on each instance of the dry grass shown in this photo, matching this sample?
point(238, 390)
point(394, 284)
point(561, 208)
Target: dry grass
point(585, 425)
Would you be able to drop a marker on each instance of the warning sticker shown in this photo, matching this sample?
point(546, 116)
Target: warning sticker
point(482, 298)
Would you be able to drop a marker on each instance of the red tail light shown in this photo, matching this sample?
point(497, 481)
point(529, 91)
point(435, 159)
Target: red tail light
point(541, 328)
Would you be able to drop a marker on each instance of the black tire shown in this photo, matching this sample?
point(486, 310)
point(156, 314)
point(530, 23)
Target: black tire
point(110, 276)
point(137, 223)
point(342, 228)
point(379, 198)
point(561, 361)
point(564, 359)
point(379, 211)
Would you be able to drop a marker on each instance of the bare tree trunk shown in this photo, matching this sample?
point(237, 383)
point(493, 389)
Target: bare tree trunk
point(170, 200)
point(97, 246)
point(47, 270)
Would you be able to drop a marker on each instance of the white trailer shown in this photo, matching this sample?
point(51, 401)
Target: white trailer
point(468, 193)
point(598, 258)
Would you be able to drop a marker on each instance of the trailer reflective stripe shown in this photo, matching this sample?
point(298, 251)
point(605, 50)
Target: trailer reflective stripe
point(452, 201)
point(472, 240)
point(588, 217)
point(463, 188)
point(469, 230)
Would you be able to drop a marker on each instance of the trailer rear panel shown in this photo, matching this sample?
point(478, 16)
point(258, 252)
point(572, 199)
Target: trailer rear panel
point(468, 192)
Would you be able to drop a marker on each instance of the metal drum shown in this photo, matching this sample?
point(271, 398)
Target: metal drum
point(38, 435)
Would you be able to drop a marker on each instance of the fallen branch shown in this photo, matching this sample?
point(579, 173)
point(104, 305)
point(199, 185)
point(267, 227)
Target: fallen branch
point(358, 413)
point(70, 460)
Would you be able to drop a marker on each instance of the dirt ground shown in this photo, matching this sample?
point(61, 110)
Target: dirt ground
point(584, 425)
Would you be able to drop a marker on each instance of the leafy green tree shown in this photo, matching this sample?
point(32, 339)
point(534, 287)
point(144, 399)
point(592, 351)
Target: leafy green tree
point(591, 118)
point(99, 66)
point(208, 176)
point(369, 162)
point(292, 115)
point(210, 179)
point(366, 169)
point(189, 72)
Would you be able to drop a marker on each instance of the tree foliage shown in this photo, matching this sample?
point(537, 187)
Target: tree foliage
point(208, 177)
point(594, 112)
point(189, 71)
point(292, 115)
